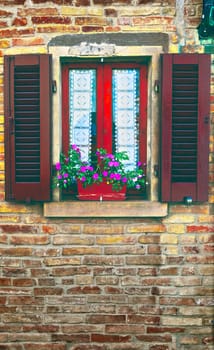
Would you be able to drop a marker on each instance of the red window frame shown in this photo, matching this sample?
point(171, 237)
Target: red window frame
point(104, 104)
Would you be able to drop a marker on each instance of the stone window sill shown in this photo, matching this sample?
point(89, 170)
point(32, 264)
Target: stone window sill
point(123, 209)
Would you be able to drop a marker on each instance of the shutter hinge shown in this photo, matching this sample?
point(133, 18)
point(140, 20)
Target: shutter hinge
point(11, 125)
point(54, 87)
point(156, 170)
point(11, 197)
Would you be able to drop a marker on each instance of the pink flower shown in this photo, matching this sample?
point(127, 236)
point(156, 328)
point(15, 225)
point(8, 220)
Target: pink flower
point(117, 176)
point(105, 173)
point(95, 176)
point(124, 179)
point(75, 148)
point(83, 179)
point(58, 166)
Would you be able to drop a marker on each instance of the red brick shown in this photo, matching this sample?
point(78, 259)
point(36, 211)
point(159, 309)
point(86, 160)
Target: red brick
point(155, 338)
point(24, 300)
point(6, 13)
point(19, 22)
point(6, 228)
point(40, 328)
point(2, 300)
point(24, 282)
point(165, 329)
point(44, 346)
point(5, 281)
point(71, 338)
point(103, 338)
point(84, 290)
point(159, 347)
point(51, 19)
point(199, 229)
point(87, 29)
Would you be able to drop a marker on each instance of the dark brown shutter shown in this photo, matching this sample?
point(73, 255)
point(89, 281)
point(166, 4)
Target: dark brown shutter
point(27, 81)
point(185, 126)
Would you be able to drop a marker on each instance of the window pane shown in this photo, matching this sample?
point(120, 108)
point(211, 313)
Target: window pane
point(126, 113)
point(82, 109)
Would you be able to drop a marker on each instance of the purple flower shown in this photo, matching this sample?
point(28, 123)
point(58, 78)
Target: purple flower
point(124, 179)
point(65, 175)
point(83, 179)
point(58, 166)
point(137, 186)
point(116, 164)
point(95, 176)
point(109, 155)
point(113, 163)
point(117, 176)
point(139, 163)
point(105, 173)
point(59, 177)
point(83, 169)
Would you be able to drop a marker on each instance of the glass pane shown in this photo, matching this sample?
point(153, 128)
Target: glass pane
point(82, 92)
point(126, 113)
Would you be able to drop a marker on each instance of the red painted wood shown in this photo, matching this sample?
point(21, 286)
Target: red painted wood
point(100, 192)
point(28, 190)
point(203, 126)
point(143, 115)
point(104, 104)
point(107, 108)
point(175, 191)
point(166, 126)
point(65, 109)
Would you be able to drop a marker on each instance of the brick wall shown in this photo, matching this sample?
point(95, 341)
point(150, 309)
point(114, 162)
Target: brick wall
point(104, 284)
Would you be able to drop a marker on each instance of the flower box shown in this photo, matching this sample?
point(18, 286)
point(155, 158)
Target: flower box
point(100, 192)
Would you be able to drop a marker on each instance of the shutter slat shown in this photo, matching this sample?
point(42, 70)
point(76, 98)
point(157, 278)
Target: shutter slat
point(184, 168)
point(27, 127)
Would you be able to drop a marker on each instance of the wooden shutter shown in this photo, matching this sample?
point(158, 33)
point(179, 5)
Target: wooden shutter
point(185, 126)
point(27, 127)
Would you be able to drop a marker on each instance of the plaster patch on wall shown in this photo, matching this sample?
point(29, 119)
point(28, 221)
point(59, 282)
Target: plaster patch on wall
point(92, 49)
point(179, 20)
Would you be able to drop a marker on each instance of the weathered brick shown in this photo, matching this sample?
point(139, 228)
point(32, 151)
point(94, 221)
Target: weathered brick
point(27, 239)
point(143, 319)
point(118, 239)
point(81, 251)
point(62, 261)
point(48, 291)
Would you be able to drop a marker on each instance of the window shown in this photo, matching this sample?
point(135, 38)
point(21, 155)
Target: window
point(105, 106)
point(184, 120)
